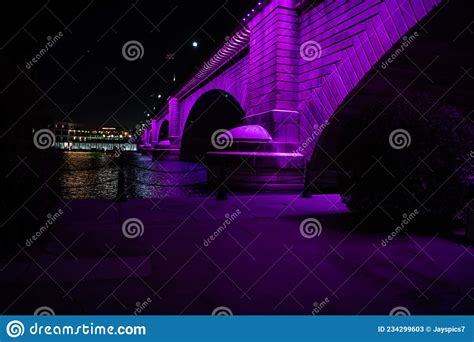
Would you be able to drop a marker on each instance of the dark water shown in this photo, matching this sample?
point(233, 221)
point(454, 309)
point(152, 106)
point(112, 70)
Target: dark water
point(95, 175)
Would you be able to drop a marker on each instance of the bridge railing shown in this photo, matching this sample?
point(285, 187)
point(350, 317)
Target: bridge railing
point(234, 45)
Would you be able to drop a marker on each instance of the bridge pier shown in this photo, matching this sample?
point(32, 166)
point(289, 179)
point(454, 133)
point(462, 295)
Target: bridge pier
point(282, 126)
point(273, 73)
point(174, 115)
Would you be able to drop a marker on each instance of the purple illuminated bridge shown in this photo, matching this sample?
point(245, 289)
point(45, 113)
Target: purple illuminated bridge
point(287, 69)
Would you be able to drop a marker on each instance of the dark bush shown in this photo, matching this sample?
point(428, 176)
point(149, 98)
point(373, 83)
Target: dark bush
point(429, 175)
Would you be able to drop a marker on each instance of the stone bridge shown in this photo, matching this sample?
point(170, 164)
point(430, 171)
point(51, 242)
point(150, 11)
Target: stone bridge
point(288, 68)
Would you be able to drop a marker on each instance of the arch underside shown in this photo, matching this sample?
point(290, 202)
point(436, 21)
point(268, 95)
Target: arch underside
point(386, 83)
point(164, 131)
point(349, 50)
point(215, 110)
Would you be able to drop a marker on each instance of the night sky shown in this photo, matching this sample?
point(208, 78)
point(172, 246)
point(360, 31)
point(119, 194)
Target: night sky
point(99, 81)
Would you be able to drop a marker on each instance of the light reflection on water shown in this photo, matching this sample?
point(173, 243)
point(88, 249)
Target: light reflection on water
point(94, 175)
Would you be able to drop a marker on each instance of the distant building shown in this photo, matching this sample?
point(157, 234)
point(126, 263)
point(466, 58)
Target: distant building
point(73, 136)
point(110, 133)
point(63, 130)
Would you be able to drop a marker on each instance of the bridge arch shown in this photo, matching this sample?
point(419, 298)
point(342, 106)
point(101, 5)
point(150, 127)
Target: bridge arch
point(216, 109)
point(394, 81)
point(163, 130)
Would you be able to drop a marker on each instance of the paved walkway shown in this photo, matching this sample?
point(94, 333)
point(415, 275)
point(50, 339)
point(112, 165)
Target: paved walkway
point(258, 263)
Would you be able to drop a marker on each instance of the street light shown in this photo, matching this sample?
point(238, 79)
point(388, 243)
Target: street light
point(195, 44)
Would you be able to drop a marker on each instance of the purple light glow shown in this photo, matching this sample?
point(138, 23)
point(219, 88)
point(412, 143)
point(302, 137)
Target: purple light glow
point(277, 85)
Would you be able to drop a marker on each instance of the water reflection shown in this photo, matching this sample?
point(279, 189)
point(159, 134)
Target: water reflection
point(87, 175)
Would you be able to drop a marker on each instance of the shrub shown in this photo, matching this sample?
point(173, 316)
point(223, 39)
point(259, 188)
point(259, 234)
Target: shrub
point(429, 174)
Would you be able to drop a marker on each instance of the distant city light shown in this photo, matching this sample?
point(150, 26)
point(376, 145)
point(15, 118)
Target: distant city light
point(159, 96)
point(195, 44)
